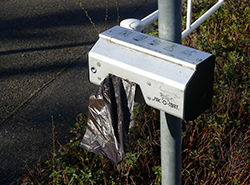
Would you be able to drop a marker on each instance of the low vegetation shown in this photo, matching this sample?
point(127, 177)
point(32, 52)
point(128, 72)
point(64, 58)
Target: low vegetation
point(215, 146)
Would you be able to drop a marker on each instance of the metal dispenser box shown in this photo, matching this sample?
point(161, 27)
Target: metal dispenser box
point(171, 77)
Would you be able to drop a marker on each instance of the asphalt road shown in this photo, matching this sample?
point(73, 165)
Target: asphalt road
point(44, 72)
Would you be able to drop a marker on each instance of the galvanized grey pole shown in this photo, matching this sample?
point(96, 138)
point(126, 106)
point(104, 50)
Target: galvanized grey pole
point(169, 22)
point(170, 149)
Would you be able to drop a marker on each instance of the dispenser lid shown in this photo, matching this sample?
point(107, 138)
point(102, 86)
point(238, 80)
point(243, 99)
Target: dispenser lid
point(172, 52)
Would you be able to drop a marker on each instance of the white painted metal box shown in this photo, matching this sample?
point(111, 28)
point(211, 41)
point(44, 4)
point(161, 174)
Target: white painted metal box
point(172, 77)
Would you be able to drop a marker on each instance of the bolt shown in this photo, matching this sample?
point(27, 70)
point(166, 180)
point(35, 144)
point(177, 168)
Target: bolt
point(99, 78)
point(98, 64)
point(149, 98)
point(198, 59)
point(93, 69)
point(149, 83)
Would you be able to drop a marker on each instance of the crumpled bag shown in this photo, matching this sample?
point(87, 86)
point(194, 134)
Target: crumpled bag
point(109, 111)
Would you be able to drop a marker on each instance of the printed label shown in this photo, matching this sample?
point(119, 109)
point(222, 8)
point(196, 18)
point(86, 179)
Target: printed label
point(140, 38)
point(166, 102)
point(125, 33)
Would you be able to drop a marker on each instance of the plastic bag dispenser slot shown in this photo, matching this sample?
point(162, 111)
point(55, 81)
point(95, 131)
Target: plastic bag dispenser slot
point(173, 78)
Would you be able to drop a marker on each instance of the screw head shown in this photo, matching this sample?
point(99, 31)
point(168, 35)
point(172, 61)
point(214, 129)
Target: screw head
point(198, 59)
point(149, 83)
point(93, 69)
point(98, 64)
point(149, 98)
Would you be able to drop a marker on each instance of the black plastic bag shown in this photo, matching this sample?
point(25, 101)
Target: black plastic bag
point(110, 108)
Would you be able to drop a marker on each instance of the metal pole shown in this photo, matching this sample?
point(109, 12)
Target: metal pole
point(169, 22)
point(170, 149)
